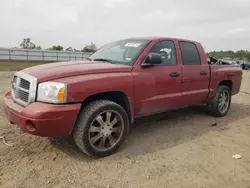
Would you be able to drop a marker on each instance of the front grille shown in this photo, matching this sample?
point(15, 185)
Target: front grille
point(24, 84)
point(23, 88)
point(24, 95)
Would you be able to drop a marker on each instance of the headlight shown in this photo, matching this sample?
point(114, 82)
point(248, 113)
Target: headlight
point(52, 92)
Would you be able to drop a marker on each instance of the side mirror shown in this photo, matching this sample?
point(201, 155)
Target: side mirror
point(152, 59)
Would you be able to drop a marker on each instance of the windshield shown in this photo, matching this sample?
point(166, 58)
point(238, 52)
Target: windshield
point(120, 52)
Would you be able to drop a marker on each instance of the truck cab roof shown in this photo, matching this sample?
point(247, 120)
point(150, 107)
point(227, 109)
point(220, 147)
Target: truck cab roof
point(159, 38)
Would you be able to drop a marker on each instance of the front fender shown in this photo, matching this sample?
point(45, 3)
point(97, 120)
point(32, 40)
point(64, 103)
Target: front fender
point(81, 87)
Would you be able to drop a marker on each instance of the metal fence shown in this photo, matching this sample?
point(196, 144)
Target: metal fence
point(16, 54)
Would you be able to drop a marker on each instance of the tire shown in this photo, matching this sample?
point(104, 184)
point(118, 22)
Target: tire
point(213, 107)
point(94, 121)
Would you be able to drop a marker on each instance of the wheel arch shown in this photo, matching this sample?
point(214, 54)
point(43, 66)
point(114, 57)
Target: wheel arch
point(118, 97)
point(228, 83)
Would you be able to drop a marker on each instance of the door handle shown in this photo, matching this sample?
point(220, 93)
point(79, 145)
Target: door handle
point(203, 73)
point(174, 74)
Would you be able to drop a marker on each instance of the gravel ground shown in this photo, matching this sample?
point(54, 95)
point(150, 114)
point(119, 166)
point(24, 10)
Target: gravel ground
point(175, 149)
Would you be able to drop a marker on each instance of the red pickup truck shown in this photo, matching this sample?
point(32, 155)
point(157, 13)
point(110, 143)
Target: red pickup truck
point(97, 100)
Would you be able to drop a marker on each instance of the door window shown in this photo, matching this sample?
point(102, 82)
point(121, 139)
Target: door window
point(189, 53)
point(167, 51)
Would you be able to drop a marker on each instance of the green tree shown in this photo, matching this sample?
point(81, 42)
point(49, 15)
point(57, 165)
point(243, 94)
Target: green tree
point(240, 54)
point(56, 48)
point(248, 56)
point(27, 44)
point(89, 48)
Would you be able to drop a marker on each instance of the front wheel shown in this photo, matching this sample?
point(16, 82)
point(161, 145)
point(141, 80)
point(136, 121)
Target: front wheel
point(221, 102)
point(101, 128)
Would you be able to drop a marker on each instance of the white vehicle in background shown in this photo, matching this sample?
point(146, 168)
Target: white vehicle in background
point(221, 61)
point(231, 62)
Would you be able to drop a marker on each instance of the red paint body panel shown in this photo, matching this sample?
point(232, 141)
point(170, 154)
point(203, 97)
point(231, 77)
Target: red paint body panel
point(83, 86)
point(50, 120)
point(148, 89)
point(155, 91)
point(53, 71)
point(225, 72)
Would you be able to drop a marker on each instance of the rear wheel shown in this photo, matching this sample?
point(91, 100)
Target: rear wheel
point(101, 128)
point(221, 102)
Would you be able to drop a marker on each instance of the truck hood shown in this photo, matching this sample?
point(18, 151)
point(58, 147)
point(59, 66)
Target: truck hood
point(58, 70)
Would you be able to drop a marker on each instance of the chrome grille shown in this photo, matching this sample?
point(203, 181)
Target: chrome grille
point(24, 84)
point(23, 95)
point(23, 88)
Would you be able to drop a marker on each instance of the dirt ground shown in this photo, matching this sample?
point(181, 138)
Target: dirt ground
point(175, 149)
point(17, 65)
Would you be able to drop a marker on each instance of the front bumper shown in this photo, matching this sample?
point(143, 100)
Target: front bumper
point(42, 119)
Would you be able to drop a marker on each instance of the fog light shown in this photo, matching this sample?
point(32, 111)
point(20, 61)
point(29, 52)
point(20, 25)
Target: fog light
point(30, 126)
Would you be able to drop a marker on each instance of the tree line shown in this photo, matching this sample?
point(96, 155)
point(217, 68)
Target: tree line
point(238, 55)
point(28, 44)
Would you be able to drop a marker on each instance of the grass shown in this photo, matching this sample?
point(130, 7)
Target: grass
point(16, 66)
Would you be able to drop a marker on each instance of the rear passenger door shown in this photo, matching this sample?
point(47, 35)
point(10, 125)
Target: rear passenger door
point(195, 75)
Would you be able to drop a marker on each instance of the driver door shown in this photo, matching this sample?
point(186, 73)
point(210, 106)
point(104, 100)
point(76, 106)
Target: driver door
point(158, 88)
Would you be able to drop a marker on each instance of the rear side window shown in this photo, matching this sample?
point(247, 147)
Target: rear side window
point(189, 53)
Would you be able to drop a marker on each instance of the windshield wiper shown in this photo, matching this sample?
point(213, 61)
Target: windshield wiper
point(101, 59)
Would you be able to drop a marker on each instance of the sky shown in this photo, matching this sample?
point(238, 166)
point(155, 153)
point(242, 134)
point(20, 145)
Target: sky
point(216, 24)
